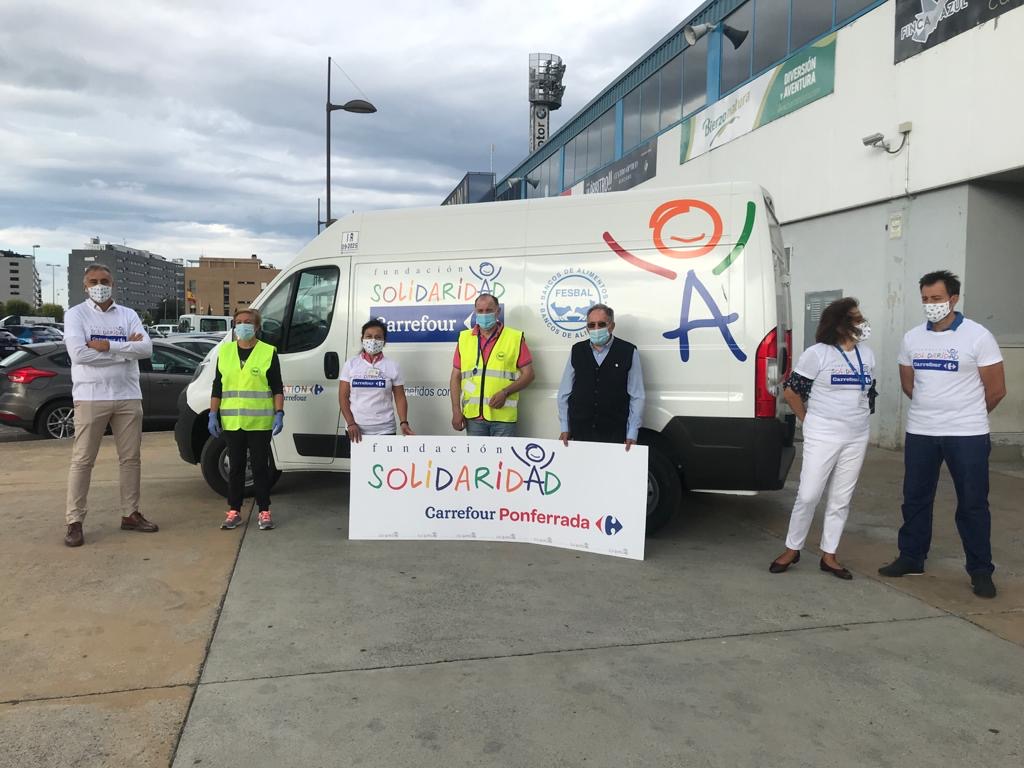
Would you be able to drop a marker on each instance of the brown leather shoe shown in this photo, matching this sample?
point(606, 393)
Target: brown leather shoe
point(74, 537)
point(136, 522)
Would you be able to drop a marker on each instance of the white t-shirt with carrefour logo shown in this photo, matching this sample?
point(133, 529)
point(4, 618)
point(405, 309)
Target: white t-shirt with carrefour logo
point(949, 398)
point(838, 405)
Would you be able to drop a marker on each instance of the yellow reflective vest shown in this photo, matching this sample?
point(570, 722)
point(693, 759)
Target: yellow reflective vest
point(246, 400)
point(482, 380)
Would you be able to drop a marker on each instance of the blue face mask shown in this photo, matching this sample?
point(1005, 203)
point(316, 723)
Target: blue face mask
point(245, 331)
point(599, 336)
point(487, 320)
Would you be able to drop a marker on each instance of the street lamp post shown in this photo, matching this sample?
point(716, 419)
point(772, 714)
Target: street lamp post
point(53, 281)
point(359, 106)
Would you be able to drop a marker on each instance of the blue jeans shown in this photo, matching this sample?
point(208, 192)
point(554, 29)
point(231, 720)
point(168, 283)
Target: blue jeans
point(481, 428)
point(967, 459)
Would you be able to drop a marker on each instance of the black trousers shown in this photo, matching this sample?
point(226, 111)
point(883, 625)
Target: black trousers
point(257, 444)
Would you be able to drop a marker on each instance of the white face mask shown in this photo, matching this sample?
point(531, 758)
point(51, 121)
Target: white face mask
point(373, 346)
point(936, 312)
point(864, 329)
point(100, 293)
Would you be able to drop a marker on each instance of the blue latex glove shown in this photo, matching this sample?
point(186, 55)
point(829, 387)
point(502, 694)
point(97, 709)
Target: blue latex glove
point(213, 425)
point(278, 423)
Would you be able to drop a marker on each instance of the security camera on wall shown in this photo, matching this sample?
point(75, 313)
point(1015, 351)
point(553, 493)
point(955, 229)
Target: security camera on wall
point(873, 140)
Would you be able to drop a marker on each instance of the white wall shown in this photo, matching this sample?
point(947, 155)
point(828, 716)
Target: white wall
point(963, 98)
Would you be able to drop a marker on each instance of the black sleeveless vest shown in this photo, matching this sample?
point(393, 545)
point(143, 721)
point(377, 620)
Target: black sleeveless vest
point(599, 401)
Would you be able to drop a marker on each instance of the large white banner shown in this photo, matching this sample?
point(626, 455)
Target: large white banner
point(587, 496)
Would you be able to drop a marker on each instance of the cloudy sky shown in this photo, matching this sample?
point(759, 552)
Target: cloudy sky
point(191, 128)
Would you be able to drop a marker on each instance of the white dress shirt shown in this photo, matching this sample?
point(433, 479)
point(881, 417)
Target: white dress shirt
point(112, 375)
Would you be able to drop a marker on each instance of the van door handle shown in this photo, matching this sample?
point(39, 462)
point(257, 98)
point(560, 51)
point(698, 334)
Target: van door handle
point(331, 365)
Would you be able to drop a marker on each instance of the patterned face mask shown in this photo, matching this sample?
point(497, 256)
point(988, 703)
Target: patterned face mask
point(864, 331)
point(373, 346)
point(100, 293)
point(936, 312)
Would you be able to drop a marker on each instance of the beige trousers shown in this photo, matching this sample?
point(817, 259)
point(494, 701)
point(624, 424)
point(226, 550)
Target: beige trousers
point(91, 420)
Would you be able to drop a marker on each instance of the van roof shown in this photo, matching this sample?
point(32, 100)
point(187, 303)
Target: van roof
point(493, 227)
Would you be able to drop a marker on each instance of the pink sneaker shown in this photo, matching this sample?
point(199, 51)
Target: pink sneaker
point(264, 520)
point(233, 520)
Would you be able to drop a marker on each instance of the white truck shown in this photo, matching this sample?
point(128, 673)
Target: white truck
point(203, 323)
point(697, 277)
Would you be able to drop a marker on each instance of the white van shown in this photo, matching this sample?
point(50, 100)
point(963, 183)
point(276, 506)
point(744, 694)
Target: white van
point(204, 323)
point(697, 277)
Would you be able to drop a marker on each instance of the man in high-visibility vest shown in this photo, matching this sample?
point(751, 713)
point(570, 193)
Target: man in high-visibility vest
point(492, 365)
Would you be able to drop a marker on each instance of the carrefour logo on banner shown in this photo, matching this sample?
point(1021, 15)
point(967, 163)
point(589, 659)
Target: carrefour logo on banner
point(436, 322)
point(567, 296)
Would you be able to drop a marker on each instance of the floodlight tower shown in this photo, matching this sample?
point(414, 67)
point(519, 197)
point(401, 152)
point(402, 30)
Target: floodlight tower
point(546, 89)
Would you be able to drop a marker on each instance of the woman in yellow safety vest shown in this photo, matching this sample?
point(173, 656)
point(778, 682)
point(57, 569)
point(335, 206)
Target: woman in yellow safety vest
point(248, 398)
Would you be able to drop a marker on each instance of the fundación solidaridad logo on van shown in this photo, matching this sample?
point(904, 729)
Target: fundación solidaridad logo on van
point(567, 296)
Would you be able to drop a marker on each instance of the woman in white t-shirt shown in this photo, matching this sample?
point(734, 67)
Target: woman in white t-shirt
point(371, 388)
point(829, 390)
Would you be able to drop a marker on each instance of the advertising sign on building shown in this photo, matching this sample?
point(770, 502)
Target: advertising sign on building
point(635, 168)
point(500, 489)
point(801, 79)
point(923, 24)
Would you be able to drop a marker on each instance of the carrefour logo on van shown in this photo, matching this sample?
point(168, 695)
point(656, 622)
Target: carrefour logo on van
point(567, 296)
point(424, 323)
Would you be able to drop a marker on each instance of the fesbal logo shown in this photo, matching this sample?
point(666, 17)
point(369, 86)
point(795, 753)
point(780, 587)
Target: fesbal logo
point(463, 481)
point(566, 297)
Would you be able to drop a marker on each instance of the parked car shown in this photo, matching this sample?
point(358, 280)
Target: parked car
point(35, 387)
point(8, 343)
point(200, 343)
point(35, 334)
point(165, 329)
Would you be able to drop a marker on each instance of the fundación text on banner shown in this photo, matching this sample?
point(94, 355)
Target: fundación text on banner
point(500, 489)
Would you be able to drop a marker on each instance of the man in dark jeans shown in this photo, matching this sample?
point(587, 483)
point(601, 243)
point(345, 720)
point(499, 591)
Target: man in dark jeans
point(952, 371)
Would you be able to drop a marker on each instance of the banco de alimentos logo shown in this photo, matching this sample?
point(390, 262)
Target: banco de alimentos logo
point(567, 296)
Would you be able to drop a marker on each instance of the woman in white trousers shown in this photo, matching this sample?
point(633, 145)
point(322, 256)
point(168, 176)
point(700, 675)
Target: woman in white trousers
point(829, 392)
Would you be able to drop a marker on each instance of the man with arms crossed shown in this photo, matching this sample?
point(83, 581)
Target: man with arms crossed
point(105, 341)
point(952, 371)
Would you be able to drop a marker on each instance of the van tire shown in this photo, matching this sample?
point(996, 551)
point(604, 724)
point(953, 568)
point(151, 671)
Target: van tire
point(214, 462)
point(664, 490)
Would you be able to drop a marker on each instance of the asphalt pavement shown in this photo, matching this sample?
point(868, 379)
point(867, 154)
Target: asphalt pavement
point(297, 647)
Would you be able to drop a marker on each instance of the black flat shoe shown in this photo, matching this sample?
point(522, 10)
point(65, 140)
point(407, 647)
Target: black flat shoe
point(777, 567)
point(839, 573)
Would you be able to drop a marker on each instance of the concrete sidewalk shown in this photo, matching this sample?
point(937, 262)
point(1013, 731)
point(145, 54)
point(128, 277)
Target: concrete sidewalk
point(335, 653)
point(338, 653)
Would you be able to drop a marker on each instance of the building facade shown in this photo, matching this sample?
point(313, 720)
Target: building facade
point(224, 286)
point(19, 279)
point(883, 131)
point(144, 281)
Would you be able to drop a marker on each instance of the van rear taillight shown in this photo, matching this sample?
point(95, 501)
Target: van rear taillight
point(28, 374)
point(766, 376)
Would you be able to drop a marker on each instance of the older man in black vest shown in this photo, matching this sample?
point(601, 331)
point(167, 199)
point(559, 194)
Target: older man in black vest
point(601, 397)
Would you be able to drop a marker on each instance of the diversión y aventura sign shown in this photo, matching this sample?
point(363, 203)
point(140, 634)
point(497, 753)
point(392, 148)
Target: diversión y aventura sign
point(803, 78)
point(587, 496)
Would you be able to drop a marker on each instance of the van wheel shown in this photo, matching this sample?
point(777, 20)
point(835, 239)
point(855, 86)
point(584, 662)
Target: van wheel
point(215, 466)
point(57, 420)
point(664, 490)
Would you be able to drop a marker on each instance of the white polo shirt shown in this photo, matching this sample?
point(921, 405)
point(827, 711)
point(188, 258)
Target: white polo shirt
point(837, 408)
point(372, 399)
point(949, 398)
